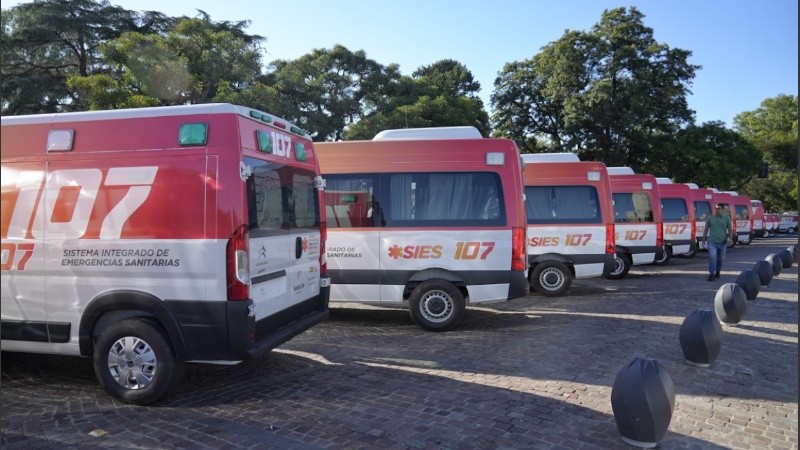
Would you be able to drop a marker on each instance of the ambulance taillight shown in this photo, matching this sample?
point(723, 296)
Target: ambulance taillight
point(694, 229)
point(518, 256)
point(659, 234)
point(323, 256)
point(611, 242)
point(238, 266)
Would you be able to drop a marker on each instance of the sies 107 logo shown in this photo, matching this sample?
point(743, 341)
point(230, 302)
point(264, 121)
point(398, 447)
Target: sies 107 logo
point(415, 252)
point(463, 251)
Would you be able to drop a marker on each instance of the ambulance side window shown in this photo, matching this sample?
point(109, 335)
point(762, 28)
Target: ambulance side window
point(562, 204)
point(632, 207)
point(350, 202)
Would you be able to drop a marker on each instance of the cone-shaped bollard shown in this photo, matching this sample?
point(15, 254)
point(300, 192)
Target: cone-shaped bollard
point(730, 303)
point(776, 262)
point(701, 338)
point(786, 257)
point(764, 271)
point(643, 398)
point(749, 282)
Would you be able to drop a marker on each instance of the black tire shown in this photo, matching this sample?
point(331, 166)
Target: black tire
point(436, 305)
point(551, 278)
point(145, 352)
point(621, 268)
point(791, 230)
point(666, 255)
point(690, 254)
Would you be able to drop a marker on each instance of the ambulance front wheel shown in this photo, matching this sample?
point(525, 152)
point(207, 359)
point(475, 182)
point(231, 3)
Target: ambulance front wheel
point(663, 257)
point(436, 305)
point(134, 362)
point(622, 265)
point(551, 278)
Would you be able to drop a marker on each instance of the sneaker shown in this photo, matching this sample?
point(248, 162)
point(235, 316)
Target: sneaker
point(716, 275)
point(711, 278)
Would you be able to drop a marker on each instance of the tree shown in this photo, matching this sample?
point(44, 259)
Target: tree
point(326, 91)
point(196, 61)
point(45, 42)
point(772, 128)
point(608, 94)
point(710, 155)
point(441, 94)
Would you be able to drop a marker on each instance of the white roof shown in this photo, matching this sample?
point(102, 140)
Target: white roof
point(692, 185)
point(663, 180)
point(620, 171)
point(731, 192)
point(550, 157)
point(429, 133)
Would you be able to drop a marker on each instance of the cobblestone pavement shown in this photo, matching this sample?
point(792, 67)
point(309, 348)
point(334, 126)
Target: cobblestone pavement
point(534, 372)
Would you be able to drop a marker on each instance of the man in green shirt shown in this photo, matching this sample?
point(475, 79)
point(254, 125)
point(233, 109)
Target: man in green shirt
point(719, 228)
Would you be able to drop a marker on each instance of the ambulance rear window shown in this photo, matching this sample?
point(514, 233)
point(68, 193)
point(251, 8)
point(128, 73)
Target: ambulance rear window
point(632, 207)
point(675, 210)
point(562, 204)
point(280, 197)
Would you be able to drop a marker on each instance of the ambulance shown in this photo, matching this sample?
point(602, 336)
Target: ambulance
point(570, 220)
point(431, 218)
point(743, 217)
point(758, 216)
point(638, 220)
point(703, 199)
point(771, 222)
point(680, 227)
point(148, 238)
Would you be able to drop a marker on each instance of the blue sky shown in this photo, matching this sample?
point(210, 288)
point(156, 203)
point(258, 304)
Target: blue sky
point(747, 49)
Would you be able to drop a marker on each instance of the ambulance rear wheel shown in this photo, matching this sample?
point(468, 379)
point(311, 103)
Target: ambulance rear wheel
point(551, 278)
point(436, 305)
point(622, 265)
point(134, 362)
point(663, 257)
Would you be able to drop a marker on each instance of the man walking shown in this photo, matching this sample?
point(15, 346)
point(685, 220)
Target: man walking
point(719, 228)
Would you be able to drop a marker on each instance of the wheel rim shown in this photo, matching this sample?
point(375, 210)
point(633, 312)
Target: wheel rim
point(551, 279)
point(132, 363)
point(436, 306)
point(619, 266)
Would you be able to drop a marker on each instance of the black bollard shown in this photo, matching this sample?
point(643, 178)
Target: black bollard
point(730, 303)
point(701, 338)
point(786, 257)
point(643, 398)
point(749, 282)
point(776, 262)
point(764, 271)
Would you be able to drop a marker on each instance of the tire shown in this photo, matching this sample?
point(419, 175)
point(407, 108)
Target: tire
point(666, 255)
point(621, 268)
point(134, 362)
point(551, 278)
point(436, 305)
point(791, 230)
point(690, 254)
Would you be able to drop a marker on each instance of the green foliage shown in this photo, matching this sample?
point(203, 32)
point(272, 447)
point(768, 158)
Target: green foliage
point(606, 94)
point(710, 155)
point(46, 42)
point(772, 128)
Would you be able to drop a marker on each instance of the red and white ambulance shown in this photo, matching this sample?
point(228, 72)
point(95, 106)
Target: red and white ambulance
point(680, 227)
point(771, 223)
point(638, 220)
point(703, 199)
point(432, 217)
point(570, 220)
point(743, 218)
point(147, 238)
point(758, 216)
